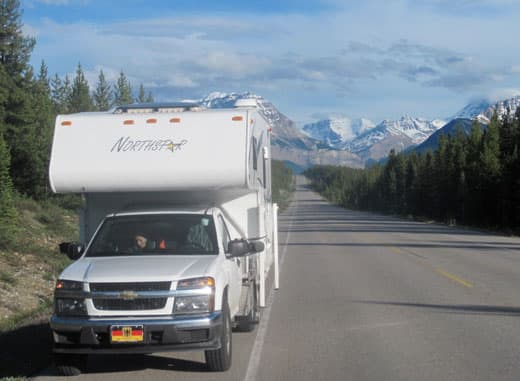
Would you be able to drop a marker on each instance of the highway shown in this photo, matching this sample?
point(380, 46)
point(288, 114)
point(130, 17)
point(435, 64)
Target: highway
point(367, 297)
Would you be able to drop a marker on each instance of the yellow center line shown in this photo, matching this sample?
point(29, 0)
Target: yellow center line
point(454, 278)
point(396, 250)
point(440, 271)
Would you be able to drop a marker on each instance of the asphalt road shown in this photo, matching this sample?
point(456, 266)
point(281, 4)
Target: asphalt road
point(368, 297)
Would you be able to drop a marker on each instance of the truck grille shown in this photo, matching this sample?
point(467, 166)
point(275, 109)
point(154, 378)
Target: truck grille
point(139, 304)
point(129, 305)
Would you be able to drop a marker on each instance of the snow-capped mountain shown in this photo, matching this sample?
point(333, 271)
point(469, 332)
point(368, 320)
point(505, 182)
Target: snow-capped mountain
point(288, 142)
point(501, 108)
point(336, 131)
point(472, 110)
point(392, 134)
point(483, 110)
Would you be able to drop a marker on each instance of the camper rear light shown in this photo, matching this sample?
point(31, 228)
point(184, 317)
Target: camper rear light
point(237, 118)
point(128, 122)
point(66, 123)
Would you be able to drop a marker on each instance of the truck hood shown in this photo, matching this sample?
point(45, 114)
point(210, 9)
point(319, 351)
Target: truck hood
point(139, 268)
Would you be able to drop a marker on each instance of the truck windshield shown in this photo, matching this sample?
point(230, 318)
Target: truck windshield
point(155, 234)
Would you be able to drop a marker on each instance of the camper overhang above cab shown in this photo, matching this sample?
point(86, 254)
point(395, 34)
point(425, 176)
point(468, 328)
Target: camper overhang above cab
point(152, 148)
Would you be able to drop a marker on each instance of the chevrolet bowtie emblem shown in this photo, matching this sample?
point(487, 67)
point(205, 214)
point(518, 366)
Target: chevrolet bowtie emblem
point(128, 295)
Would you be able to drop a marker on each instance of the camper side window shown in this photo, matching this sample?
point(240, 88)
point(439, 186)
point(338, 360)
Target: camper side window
point(255, 154)
point(225, 233)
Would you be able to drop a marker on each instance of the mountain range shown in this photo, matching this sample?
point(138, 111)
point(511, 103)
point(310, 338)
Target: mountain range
point(355, 142)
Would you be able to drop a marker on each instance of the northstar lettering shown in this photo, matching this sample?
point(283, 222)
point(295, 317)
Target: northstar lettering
point(126, 144)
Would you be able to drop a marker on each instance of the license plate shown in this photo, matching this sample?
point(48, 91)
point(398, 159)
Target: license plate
point(126, 333)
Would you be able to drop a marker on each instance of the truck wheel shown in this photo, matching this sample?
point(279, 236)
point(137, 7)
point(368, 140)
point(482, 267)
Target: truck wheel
point(219, 360)
point(248, 322)
point(70, 365)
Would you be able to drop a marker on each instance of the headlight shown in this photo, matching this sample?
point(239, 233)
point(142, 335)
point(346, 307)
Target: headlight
point(70, 307)
point(202, 300)
point(196, 283)
point(68, 300)
point(193, 304)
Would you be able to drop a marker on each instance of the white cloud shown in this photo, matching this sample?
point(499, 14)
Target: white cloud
point(387, 48)
point(502, 93)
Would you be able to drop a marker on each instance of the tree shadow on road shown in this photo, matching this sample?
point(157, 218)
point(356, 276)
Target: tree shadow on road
point(471, 309)
point(25, 350)
point(98, 364)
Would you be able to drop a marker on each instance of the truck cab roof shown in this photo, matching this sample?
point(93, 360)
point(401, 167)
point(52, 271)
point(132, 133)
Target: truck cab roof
point(164, 210)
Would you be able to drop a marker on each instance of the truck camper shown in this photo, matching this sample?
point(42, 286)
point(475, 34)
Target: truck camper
point(177, 233)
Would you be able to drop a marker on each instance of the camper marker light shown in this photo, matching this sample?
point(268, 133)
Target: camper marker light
point(66, 123)
point(175, 120)
point(237, 118)
point(151, 121)
point(128, 122)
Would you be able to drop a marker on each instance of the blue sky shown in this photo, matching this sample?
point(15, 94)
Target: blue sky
point(360, 58)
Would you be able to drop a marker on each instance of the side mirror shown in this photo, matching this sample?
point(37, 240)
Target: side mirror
point(256, 246)
point(241, 247)
point(238, 248)
point(73, 250)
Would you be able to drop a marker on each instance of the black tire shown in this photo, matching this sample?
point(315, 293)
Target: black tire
point(248, 323)
point(219, 360)
point(70, 365)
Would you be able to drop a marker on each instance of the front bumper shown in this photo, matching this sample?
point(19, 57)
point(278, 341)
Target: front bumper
point(92, 335)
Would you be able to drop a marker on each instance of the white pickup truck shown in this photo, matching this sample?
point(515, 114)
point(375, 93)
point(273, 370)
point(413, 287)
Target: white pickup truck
point(176, 234)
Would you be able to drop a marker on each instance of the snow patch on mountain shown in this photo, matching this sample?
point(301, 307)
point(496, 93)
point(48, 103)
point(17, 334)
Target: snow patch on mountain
point(336, 131)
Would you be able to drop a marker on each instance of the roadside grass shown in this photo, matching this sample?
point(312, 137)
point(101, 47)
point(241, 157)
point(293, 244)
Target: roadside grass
point(30, 262)
point(15, 320)
point(283, 198)
point(283, 184)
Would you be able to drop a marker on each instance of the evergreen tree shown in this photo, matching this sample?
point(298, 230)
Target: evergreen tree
point(58, 97)
point(20, 119)
point(15, 48)
point(123, 91)
point(44, 115)
point(149, 98)
point(8, 213)
point(141, 98)
point(490, 171)
point(103, 97)
point(80, 99)
point(490, 154)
